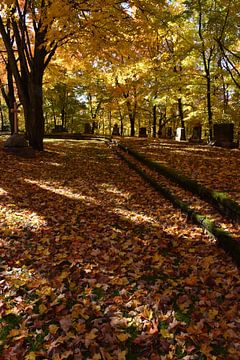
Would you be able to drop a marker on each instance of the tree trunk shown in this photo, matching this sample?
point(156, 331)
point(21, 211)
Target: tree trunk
point(11, 97)
point(209, 106)
point(132, 124)
point(154, 121)
point(2, 118)
point(33, 110)
point(181, 116)
point(131, 115)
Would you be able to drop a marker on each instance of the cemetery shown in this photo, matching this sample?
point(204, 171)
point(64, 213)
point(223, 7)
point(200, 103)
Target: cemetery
point(119, 181)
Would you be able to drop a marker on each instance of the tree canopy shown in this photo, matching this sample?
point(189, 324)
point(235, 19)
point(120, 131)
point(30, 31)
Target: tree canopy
point(135, 63)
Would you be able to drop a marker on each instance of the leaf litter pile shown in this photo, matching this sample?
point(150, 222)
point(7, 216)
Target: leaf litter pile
point(94, 264)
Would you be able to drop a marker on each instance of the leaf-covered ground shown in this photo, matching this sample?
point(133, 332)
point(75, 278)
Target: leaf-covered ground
point(96, 265)
point(214, 167)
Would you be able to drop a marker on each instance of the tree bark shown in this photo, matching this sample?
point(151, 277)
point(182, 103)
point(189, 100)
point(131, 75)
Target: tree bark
point(207, 58)
point(209, 106)
point(154, 121)
point(131, 115)
point(9, 96)
point(181, 116)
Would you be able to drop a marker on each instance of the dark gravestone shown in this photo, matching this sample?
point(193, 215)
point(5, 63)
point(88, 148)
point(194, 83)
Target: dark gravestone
point(6, 128)
point(142, 132)
point(59, 129)
point(223, 135)
point(180, 134)
point(16, 141)
point(17, 144)
point(116, 131)
point(196, 134)
point(87, 128)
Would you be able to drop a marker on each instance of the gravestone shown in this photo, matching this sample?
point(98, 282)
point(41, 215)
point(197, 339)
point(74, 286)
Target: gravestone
point(87, 128)
point(116, 131)
point(180, 134)
point(142, 132)
point(16, 141)
point(196, 134)
point(59, 129)
point(6, 128)
point(223, 135)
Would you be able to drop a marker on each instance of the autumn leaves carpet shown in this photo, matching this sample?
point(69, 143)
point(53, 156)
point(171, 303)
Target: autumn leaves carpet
point(94, 264)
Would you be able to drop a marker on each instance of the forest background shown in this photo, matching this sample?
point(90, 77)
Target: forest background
point(73, 64)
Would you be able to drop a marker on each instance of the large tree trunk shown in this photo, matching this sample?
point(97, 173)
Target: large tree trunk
point(32, 102)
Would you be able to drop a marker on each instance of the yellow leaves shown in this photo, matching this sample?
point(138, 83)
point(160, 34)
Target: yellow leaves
point(212, 313)
point(13, 310)
point(231, 334)
point(207, 351)
point(119, 281)
point(166, 334)
point(62, 356)
point(42, 309)
point(53, 329)
point(18, 334)
point(158, 258)
point(31, 356)
point(43, 250)
point(63, 275)
point(147, 313)
point(122, 336)
point(80, 327)
point(97, 357)
point(91, 335)
point(121, 355)
point(191, 281)
point(45, 290)
point(79, 311)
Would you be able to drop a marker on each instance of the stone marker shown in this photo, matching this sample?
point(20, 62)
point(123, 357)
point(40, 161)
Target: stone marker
point(180, 134)
point(87, 129)
point(196, 134)
point(116, 131)
point(59, 128)
point(223, 135)
point(142, 132)
point(16, 140)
